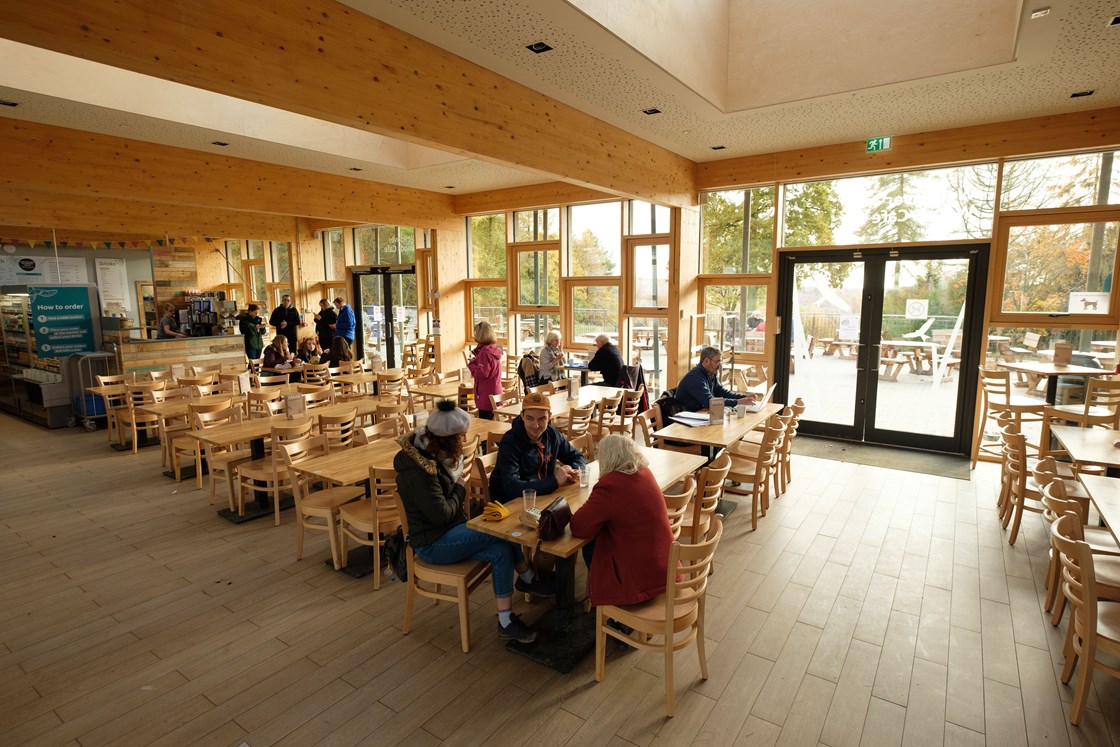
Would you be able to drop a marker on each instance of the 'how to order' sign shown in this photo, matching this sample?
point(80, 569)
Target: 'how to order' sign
point(62, 319)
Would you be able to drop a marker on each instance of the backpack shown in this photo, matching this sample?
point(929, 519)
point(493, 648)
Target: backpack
point(529, 369)
point(669, 404)
point(394, 554)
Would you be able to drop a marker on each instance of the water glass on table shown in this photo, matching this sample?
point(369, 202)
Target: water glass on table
point(585, 476)
point(528, 499)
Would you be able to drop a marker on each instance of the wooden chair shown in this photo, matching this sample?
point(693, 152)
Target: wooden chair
point(170, 427)
point(493, 441)
point(478, 487)
point(1100, 409)
point(222, 462)
point(465, 399)
point(203, 379)
point(749, 446)
point(257, 403)
point(502, 400)
point(646, 427)
point(677, 502)
point(658, 623)
point(390, 384)
point(115, 401)
point(254, 365)
point(269, 474)
point(1095, 627)
point(316, 373)
point(181, 446)
point(751, 468)
point(585, 445)
point(622, 422)
point(577, 421)
point(709, 490)
point(996, 396)
point(339, 429)
point(271, 380)
point(206, 368)
point(546, 389)
point(390, 411)
point(162, 375)
point(129, 415)
point(316, 510)
point(206, 390)
point(368, 521)
point(387, 428)
point(606, 415)
point(319, 397)
point(428, 580)
point(1022, 493)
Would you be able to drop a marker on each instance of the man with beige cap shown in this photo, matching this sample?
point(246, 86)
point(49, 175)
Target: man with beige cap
point(533, 455)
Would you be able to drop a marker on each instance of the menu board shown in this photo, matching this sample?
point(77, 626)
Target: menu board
point(62, 319)
point(112, 280)
point(18, 270)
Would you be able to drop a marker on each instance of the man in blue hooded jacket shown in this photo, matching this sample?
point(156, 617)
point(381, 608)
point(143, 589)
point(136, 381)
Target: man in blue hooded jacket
point(701, 384)
point(533, 455)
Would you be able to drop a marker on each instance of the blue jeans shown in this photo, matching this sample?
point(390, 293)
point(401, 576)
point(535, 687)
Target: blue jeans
point(461, 542)
point(253, 353)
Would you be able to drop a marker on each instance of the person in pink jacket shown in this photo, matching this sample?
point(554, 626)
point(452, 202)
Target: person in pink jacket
point(486, 368)
point(625, 516)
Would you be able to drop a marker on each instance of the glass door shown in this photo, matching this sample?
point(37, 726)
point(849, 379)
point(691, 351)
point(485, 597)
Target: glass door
point(884, 346)
point(384, 300)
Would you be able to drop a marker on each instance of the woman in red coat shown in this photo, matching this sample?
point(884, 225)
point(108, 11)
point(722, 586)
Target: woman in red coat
point(626, 517)
point(486, 369)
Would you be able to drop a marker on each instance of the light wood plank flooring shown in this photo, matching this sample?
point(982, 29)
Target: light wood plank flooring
point(871, 607)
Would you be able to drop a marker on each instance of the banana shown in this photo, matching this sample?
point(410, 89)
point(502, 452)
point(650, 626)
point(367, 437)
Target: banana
point(494, 511)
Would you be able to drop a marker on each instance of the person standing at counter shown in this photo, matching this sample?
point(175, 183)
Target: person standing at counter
point(252, 326)
point(344, 327)
point(169, 324)
point(286, 319)
point(324, 324)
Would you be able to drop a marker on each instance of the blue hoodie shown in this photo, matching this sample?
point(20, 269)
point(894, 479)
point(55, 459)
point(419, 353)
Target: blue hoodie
point(525, 465)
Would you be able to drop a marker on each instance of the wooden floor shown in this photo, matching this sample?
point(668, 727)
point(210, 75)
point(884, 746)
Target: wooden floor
point(872, 607)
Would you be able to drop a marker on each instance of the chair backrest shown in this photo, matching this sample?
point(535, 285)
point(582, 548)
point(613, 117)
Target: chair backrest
point(212, 404)
point(710, 486)
point(996, 385)
point(319, 397)
point(390, 411)
point(206, 390)
point(254, 364)
point(478, 487)
point(690, 566)
point(585, 444)
point(208, 419)
point(316, 373)
point(545, 388)
point(272, 379)
point(139, 394)
point(257, 402)
point(390, 383)
point(107, 379)
point(493, 441)
point(645, 424)
point(465, 398)
point(164, 395)
point(289, 433)
point(206, 368)
point(202, 379)
point(164, 375)
point(631, 404)
point(677, 503)
point(1103, 393)
point(1079, 582)
point(579, 419)
point(383, 495)
point(339, 429)
point(503, 399)
point(387, 428)
point(1056, 501)
point(295, 450)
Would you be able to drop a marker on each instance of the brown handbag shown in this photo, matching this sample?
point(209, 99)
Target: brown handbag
point(554, 520)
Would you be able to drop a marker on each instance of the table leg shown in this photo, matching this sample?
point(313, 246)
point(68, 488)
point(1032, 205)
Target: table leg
point(565, 634)
point(261, 505)
point(1051, 389)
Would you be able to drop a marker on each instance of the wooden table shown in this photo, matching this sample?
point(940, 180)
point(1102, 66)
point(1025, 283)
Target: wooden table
point(569, 637)
point(254, 431)
point(581, 368)
point(1052, 371)
point(1089, 445)
point(561, 404)
point(443, 390)
point(1104, 492)
point(931, 346)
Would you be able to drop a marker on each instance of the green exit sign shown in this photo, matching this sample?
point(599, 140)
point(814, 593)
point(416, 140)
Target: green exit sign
point(878, 143)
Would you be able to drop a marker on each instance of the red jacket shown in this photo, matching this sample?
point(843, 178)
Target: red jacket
point(486, 368)
point(626, 516)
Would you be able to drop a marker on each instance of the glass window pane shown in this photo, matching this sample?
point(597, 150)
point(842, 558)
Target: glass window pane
point(531, 329)
point(595, 239)
point(536, 225)
point(594, 312)
point(334, 255)
point(538, 278)
point(1061, 181)
point(256, 277)
point(232, 260)
point(1092, 347)
point(365, 245)
point(256, 249)
point(735, 317)
point(648, 337)
point(489, 305)
point(488, 246)
point(937, 204)
point(1062, 268)
point(647, 218)
point(722, 248)
point(651, 275)
point(281, 269)
point(406, 237)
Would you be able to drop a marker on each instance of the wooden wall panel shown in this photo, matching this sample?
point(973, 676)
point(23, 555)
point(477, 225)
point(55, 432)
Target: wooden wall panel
point(174, 270)
point(522, 198)
point(326, 60)
point(210, 267)
point(1080, 131)
point(684, 297)
point(37, 208)
point(450, 245)
point(39, 235)
point(56, 159)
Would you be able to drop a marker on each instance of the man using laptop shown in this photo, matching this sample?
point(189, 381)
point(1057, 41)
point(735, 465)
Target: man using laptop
point(533, 455)
point(701, 384)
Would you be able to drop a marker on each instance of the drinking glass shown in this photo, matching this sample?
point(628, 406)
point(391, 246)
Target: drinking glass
point(528, 499)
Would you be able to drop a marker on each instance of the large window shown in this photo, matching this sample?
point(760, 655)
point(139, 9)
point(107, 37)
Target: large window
point(595, 239)
point(595, 310)
point(334, 255)
point(1061, 181)
point(647, 218)
point(384, 245)
point(649, 276)
point(488, 246)
point(489, 304)
point(538, 277)
point(735, 317)
point(255, 249)
point(531, 329)
point(280, 262)
point(738, 231)
point(233, 260)
point(536, 225)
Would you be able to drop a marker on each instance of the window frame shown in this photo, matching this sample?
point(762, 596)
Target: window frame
point(630, 245)
point(513, 276)
point(568, 286)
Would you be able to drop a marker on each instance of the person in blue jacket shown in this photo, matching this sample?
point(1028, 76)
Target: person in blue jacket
point(533, 455)
point(344, 327)
point(701, 384)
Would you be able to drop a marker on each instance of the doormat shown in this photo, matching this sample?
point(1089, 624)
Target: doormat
point(909, 460)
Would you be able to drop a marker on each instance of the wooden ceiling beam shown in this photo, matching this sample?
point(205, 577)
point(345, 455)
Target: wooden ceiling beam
point(57, 159)
point(36, 209)
point(325, 60)
point(98, 238)
point(524, 198)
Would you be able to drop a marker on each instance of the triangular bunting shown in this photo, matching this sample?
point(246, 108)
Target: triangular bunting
point(108, 244)
point(120, 244)
point(158, 241)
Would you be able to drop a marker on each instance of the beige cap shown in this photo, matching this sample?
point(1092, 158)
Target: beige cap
point(536, 401)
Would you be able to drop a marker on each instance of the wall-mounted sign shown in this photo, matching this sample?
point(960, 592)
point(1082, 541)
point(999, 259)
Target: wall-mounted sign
point(917, 308)
point(62, 319)
point(875, 144)
point(24, 270)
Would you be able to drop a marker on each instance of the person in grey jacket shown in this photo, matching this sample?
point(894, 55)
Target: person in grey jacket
point(431, 481)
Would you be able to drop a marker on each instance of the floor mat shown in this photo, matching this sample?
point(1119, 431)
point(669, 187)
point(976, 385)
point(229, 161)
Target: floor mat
point(943, 465)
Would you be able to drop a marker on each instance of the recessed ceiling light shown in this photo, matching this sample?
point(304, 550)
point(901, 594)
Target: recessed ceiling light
point(1081, 94)
point(1115, 21)
point(538, 47)
point(451, 187)
point(1040, 13)
point(8, 103)
point(354, 168)
point(651, 110)
point(719, 147)
point(218, 143)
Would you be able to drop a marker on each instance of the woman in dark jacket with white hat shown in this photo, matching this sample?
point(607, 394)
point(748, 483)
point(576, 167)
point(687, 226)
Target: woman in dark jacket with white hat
point(431, 480)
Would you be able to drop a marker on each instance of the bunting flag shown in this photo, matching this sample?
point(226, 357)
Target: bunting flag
point(108, 244)
point(170, 241)
point(31, 243)
point(158, 241)
point(48, 244)
point(63, 244)
point(120, 244)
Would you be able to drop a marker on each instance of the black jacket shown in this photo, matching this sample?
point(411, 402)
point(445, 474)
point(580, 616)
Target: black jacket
point(323, 330)
point(607, 361)
point(291, 316)
point(432, 496)
point(521, 467)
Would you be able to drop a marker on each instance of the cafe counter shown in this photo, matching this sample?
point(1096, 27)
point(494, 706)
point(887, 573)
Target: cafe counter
point(141, 356)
